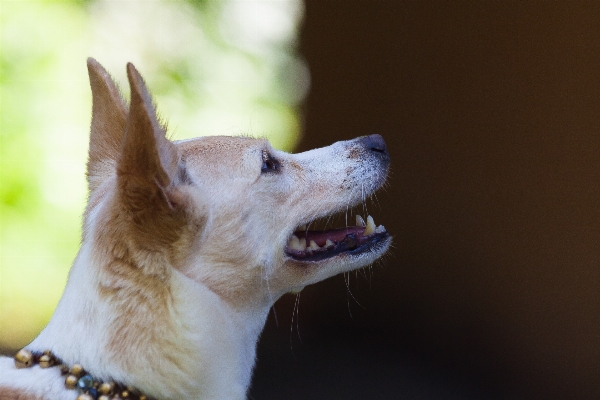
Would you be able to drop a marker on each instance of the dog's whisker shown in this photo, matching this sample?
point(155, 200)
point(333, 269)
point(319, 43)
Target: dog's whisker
point(298, 316)
point(376, 200)
point(346, 216)
point(275, 315)
point(347, 275)
point(295, 318)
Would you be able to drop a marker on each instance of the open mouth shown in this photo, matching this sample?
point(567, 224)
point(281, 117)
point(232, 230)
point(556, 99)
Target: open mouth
point(316, 245)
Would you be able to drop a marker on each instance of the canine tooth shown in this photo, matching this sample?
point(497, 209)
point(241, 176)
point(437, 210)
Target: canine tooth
point(360, 221)
point(329, 243)
point(313, 245)
point(370, 226)
point(380, 229)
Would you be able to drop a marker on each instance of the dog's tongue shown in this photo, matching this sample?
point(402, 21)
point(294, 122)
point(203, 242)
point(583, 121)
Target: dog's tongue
point(335, 235)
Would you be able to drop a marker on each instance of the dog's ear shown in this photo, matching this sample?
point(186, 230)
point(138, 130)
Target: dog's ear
point(109, 114)
point(147, 169)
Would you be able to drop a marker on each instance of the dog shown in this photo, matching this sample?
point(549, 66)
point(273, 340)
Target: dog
point(186, 245)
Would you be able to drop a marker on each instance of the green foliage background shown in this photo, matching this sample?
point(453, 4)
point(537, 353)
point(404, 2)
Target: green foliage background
point(214, 67)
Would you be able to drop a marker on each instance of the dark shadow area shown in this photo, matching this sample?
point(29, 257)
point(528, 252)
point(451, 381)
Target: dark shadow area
point(491, 113)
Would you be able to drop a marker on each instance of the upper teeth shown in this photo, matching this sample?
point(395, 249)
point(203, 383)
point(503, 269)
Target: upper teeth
point(370, 226)
point(360, 221)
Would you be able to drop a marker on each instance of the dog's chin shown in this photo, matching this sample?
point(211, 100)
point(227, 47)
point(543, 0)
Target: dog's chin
point(353, 246)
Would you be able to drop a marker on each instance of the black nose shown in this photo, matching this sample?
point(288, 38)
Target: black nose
point(376, 144)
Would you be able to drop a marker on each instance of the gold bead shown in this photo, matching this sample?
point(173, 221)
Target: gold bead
point(77, 370)
point(46, 361)
point(104, 397)
point(106, 387)
point(85, 396)
point(142, 397)
point(23, 359)
point(125, 394)
point(71, 381)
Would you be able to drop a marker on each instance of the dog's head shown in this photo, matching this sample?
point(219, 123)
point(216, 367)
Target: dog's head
point(225, 212)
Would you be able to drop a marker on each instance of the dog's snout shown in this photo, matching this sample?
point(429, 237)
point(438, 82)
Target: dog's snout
point(376, 144)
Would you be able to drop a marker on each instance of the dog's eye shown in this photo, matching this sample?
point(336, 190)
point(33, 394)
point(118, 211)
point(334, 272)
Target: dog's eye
point(269, 163)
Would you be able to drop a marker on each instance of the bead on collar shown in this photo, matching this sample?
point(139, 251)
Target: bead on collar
point(77, 378)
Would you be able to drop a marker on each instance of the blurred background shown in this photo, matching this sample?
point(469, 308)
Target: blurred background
point(214, 67)
point(491, 114)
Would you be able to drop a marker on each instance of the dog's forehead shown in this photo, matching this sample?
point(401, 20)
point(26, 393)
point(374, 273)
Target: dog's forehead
point(224, 147)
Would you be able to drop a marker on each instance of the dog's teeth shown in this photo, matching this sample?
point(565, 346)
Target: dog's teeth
point(370, 226)
point(380, 229)
point(313, 245)
point(360, 221)
point(302, 245)
point(294, 243)
point(301, 228)
point(297, 244)
point(329, 243)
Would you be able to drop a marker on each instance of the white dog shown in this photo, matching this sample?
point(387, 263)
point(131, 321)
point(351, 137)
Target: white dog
point(186, 246)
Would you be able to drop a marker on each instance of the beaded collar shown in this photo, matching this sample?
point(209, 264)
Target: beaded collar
point(77, 378)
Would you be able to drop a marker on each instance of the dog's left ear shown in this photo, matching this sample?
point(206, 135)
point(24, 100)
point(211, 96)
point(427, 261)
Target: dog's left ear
point(147, 169)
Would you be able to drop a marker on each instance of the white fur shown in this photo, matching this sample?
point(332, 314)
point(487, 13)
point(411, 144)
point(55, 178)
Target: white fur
point(221, 283)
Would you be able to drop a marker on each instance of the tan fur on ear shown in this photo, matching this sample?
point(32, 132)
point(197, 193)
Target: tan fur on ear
point(147, 168)
point(109, 114)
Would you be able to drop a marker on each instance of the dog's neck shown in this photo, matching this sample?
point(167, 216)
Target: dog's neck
point(173, 353)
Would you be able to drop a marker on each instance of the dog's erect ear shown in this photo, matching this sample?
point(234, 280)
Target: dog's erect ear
point(109, 114)
point(147, 167)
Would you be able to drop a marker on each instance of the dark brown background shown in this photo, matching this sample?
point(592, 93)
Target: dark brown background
point(491, 111)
